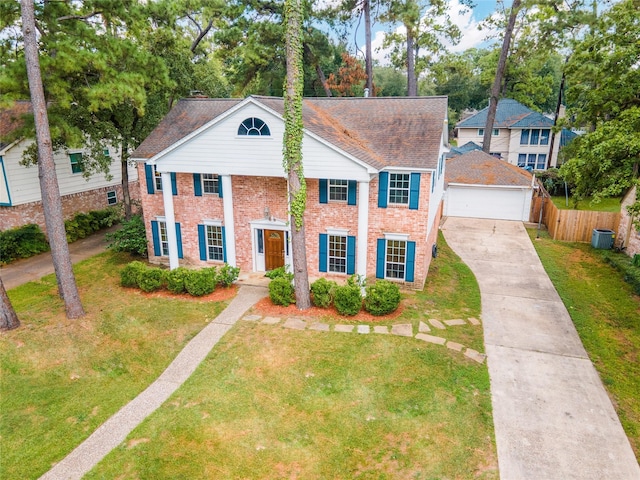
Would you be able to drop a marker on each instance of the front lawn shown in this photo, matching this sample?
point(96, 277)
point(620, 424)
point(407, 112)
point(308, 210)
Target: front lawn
point(606, 314)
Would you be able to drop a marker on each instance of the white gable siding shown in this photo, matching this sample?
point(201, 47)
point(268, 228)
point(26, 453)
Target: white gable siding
point(4, 185)
point(24, 185)
point(219, 149)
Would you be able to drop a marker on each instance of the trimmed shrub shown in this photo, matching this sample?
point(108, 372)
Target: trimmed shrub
point(151, 279)
point(130, 274)
point(22, 242)
point(227, 275)
point(625, 265)
point(347, 299)
point(84, 224)
point(280, 272)
point(175, 280)
point(131, 238)
point(281, 292)
point(322, 292)
point(383, 297)
point(200, 282)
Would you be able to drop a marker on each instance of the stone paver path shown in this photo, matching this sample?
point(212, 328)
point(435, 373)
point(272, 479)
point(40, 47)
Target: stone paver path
point(401, 330)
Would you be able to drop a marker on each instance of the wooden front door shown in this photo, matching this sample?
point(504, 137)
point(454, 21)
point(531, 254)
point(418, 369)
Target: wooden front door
point(273, 249)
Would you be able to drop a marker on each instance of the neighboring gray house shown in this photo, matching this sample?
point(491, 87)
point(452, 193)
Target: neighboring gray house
point(521, 136)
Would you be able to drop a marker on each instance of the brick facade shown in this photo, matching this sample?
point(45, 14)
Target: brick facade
point(16, 216)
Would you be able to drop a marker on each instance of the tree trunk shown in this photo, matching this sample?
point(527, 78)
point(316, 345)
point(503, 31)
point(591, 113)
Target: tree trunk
point(124, 168)
point(319, 72)
point(497, 82)
point(368, 61)
point(412, 82)
point(51, 202)
point(293, 150)
point(556, 117)
point(8, 318)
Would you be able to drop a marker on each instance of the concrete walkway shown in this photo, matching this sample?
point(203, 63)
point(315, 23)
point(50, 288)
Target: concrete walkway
point(115, 430)
point(552, 416)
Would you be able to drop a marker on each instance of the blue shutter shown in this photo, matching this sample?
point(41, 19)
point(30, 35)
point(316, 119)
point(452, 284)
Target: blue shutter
point(148, 173)
point(351, 255)
point(414, 191)
point(197, 185)
point(383, 189)
point(155, 234)
point(179, 240)
point(174, 184)
point(380, 257)
point(202, 242)
point(324, 191)
point(351, 193)
point(411, 261)
point(220, 186)
point(322, 249)
point(224, 246)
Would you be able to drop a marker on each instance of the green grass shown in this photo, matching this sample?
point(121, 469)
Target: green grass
point(61, 379)
point(267, 402)
point(606, 314)
point(611, 204)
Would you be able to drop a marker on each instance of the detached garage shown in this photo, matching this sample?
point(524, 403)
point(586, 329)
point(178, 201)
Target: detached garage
point(483, 186)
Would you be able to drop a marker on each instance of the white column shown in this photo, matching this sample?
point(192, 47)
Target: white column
point(229, 225)
point(170, 219)
point(363, 228)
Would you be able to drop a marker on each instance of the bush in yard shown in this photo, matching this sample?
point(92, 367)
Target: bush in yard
point(22, 242)
point(200, 282)
point(227, 275)
point(151, 279)
point(383, 297)
point(175, 280)
point(322, 292)
point(130, 274)
point(280, 272)
point(84, 224)
point(281, 291)
point(131, 238)
point(347, 299)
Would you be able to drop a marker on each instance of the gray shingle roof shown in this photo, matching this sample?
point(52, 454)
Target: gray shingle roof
point(479, 168)
point(380, 131)
point(509, 114)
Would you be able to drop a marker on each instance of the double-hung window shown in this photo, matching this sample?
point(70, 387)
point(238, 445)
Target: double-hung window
point(157, 179)
point(210, 183)
point(532, 160)
point(164, 240)
point(76, 162)
point(337, 253)
point(534, 136)
point(399, 188)
point(215, 243)
point(338, 190)
point(396, 257)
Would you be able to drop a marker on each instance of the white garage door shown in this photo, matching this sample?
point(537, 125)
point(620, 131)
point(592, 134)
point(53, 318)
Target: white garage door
point(503, 203)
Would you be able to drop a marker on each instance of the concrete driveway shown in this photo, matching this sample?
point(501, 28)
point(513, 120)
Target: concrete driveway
point(552, 416)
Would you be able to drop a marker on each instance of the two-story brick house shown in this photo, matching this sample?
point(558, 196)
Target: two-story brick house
point(214, 189)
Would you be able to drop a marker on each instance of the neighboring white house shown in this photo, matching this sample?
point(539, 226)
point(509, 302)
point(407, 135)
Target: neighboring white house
point(479, 185)
point(20, 198)
point(520, 135)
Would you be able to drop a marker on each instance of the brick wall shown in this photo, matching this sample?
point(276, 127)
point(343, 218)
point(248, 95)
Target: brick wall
point(251, 195)
point(16, 216)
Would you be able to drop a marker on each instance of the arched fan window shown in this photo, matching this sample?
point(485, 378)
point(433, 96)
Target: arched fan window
point(253, 127)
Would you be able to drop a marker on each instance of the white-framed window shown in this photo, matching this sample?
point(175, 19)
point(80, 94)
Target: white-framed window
point(338, 190)
point(395, 259)
point(210, 183)
point(164, 240)
point(495, 132)
point(533, 160)
point(76, 162)
point(481, 132)
point(112, 197)
point(399, 188)
point(337, 253)
point(535, 136)
point(157, 179)
point(215, 242)
point(254, 127)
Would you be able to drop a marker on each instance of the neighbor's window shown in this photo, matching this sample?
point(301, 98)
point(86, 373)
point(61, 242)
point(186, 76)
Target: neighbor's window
point(337, 254)
point(210, 183)
point(76, 162)
point(481, 132)
point(215, 250)
point(396, 259)
point(112, 197)
point(399, 188)
point(495, 132)
point(338, 190)
point(253, 127)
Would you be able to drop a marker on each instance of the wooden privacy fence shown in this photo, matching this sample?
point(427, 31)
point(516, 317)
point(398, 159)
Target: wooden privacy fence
point(571, 225)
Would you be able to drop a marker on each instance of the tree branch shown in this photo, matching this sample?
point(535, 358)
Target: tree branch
point(79, 17)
